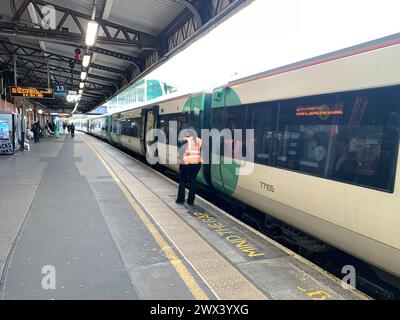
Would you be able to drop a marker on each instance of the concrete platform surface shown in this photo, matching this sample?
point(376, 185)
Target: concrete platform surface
point(79, 219)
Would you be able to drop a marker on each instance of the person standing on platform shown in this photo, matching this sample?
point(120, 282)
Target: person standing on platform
point(52, 127)
point(72, 129)
point(45, 131)
point(36, 131)
point(57, 130)
point(189, 166)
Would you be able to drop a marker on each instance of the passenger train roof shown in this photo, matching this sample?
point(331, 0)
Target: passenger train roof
point(159, 100)
point(353, 50)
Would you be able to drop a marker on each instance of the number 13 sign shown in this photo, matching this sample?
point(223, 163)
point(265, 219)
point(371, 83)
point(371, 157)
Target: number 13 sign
point(59, 89)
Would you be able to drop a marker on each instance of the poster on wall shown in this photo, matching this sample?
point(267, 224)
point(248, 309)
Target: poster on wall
point(4, 129)
point(5, 141)
point(6, 147)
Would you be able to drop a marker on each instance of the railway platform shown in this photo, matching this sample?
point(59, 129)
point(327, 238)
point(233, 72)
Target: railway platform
point(82, 220)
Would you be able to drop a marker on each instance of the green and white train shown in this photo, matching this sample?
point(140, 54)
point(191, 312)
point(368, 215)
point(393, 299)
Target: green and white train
point(326, 145)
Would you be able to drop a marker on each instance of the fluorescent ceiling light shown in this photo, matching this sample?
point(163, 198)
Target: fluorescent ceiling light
point(86, 60)
point(91, 32)
point(83, 75)
point(80, 91)
point(81, 85)
point(73, 98)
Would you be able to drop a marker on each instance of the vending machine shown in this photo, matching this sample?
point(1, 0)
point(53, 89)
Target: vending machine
point(10, 133)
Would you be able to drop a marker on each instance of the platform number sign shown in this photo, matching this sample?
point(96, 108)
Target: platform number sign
point(59, 89)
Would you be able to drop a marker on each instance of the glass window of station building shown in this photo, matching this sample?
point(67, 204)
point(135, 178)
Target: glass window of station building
point(140, 92)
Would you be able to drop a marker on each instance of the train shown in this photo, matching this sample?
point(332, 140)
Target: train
point(326, 136)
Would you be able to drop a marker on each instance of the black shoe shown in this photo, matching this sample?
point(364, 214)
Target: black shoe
point(190, 203)
point(179, 202)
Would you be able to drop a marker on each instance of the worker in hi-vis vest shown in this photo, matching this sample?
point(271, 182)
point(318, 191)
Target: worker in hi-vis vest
point(189, 166)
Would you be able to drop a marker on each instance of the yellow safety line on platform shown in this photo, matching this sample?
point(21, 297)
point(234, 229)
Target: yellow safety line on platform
point(183, 272)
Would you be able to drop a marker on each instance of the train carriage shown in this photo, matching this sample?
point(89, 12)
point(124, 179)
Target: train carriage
point(129, 128)
point(326, 148)
point(326, 134)
point(98, 126)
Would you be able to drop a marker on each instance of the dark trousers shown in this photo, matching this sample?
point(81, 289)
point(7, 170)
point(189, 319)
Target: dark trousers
point(36, 136)
point(72, 133)
point(188, 173)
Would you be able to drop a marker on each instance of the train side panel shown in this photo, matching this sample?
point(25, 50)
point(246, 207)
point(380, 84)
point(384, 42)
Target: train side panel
point(326, 151)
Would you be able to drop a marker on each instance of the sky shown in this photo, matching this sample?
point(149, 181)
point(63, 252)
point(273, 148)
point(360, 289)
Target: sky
point(268, 34)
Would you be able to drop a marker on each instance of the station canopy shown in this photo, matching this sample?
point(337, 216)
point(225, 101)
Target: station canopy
point(44, 42)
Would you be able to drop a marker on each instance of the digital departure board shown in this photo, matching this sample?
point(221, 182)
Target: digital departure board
point(32, 92)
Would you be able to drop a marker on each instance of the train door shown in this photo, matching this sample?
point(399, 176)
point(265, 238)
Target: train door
point(227, 115)
point(108, 128)
point(217, 122)
point(150, 122)
point(200, 117)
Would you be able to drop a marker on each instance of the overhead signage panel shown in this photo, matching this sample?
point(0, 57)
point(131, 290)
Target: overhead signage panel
point(41, 93)
point(59, 89)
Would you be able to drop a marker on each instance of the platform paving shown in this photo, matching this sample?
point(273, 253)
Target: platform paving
point(60, 208)
point(107, 226)
point(203, 232)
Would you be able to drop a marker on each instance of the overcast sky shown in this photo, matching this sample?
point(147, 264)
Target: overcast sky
point(269, 34)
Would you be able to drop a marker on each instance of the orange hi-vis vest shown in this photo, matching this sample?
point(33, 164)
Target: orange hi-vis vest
point(192, 154)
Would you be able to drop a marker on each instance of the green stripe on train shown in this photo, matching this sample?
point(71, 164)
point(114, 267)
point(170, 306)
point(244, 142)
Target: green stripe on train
point(195, 104)
point(224, 176)
point(225, 97)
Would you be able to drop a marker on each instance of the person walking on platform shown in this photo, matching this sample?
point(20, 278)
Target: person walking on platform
point(72, 129)
point(190, 162)
point(36, 131)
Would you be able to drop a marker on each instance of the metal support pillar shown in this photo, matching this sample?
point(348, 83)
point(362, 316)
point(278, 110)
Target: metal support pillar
point(15, 70)
point(22, 108)
point(48, 73)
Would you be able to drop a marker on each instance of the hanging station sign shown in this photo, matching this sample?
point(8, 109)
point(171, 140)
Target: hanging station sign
point(59, 89)
point(26, 92)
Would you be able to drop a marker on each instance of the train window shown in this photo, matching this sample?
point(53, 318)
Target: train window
point(140, 127)
point(367, 141)
point(218, 121)
point(306, 132)
point(116, 126)
point(107, 125)
point(164, 121)
point(132, 127)
point(235, 119)
point(231, 118)
point(180, 118)
point(262, 119)
point(351, 137)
